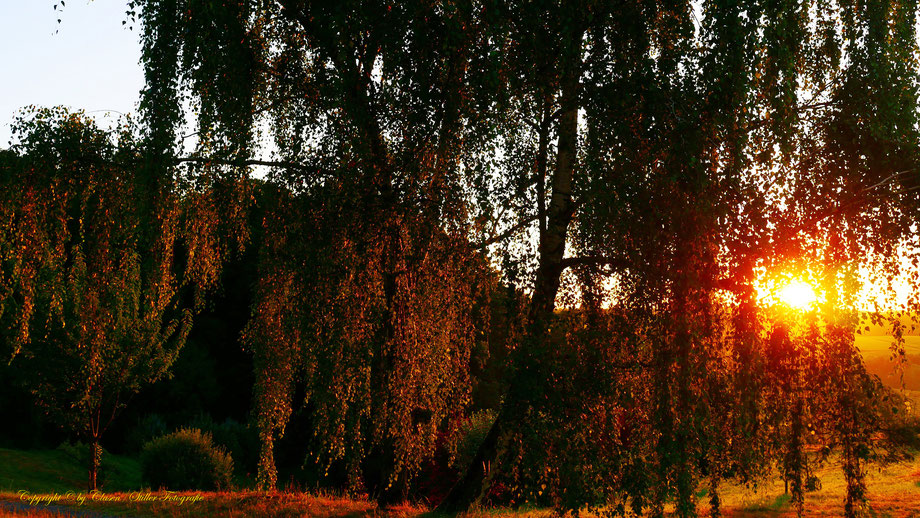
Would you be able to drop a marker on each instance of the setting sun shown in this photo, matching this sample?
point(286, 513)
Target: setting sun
point(798, 294)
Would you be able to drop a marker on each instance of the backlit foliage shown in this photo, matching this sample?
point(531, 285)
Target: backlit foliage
point(713, 146)
point(635, 168)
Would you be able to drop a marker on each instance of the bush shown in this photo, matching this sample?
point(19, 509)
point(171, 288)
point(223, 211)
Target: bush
point(186, 459)
point(812, 483)
point(472, 435)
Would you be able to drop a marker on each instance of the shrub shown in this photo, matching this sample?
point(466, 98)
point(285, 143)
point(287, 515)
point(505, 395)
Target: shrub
point(186, 459)
point(472, 435)
point(812, 483)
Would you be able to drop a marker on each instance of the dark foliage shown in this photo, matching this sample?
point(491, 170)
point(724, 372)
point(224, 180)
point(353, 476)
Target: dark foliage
point(186, 460)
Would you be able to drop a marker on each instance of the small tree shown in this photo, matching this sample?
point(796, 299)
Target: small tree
point(92, 291)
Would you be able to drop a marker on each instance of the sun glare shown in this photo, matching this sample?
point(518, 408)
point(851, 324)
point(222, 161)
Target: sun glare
point(798, 294)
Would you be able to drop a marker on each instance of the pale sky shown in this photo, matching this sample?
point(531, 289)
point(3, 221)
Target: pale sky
point(91, 63)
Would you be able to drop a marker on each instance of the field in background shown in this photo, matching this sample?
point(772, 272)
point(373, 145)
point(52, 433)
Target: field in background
point(893, 491)
point(875, 345)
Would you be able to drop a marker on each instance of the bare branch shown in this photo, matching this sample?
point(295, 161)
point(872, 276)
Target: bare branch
point(506, 234)
point(244, 162)
point(593, 260)
point(859, 199)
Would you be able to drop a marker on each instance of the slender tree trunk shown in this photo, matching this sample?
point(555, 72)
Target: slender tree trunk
point(796, 459)
point(686, 506)
point(854, 471)
point(95, 460)
point(472, 487)
point(664, 424)
point(682, 424)
point(542, 155)
point(382, 461)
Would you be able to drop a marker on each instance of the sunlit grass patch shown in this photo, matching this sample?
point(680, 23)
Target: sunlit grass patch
point(778, 504)
point(892, 490)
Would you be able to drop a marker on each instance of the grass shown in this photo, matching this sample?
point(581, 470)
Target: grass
point(49, 471)
point(778, 505)
point(893, 491)
point(230, 504)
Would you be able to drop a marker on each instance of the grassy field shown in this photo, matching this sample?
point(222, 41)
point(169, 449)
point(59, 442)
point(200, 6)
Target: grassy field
point(880, 345)
point(876, 352)
point(49, 471)
point(894, 491)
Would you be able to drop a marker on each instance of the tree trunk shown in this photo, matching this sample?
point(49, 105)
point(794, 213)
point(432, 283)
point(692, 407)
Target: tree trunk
point(267, 478)
point(95, 459)
point(395, 493)
point(683, 432)
point(715, 503)
point(472, 487)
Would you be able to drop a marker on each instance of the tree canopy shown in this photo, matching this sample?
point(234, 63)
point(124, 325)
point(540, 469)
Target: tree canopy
point(103, 268)
point(637, 170)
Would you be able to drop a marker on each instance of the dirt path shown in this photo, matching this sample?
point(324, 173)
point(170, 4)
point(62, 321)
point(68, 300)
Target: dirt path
point(8, 508)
